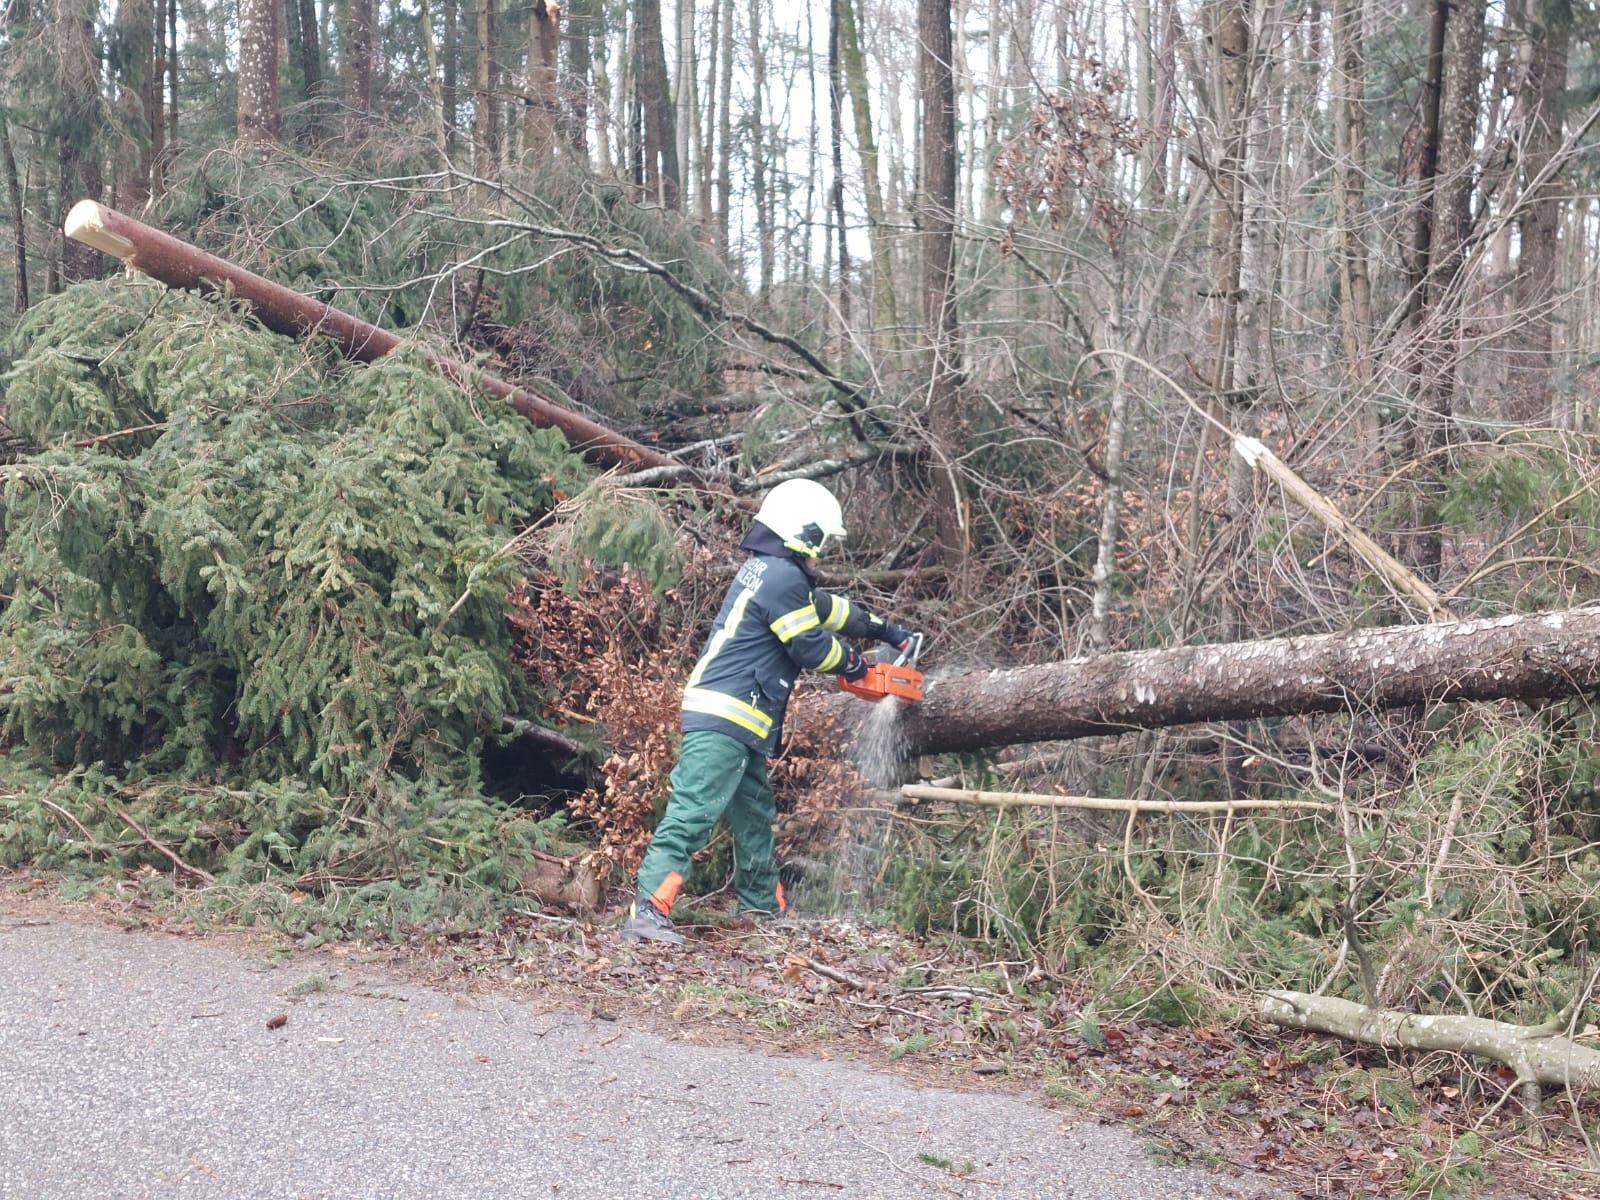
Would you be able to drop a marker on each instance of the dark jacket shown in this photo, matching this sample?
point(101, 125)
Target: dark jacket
point(774, 623)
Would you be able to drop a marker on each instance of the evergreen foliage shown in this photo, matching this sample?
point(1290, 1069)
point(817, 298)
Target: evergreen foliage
point(263, 610)
point(392, 252)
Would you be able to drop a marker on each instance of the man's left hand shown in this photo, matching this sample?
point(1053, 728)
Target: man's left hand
point(898, 636)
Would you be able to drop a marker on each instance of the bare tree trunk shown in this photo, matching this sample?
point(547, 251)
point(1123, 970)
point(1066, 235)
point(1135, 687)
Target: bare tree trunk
point(138, 32)
point(441, 127)
point(450, 84)
point(725, 135)
point(79, 172)
point(884, 317)
point(580, 29)
point(654, 99)
point(758, 152)
point(360, 47)
point(705, 127)
point(544, 97)
point(684, 93)
point(836, 159)
point(172, 71)
point(1528, 658)
point(1105, 562)
point(485, 117)
point(1437, 351)
point(19, 228)
point(1349, 192)
point(1543, 108)
point(307, 49)
point(258, 71)
point(943, 479)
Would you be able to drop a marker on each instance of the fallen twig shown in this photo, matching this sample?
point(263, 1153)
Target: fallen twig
point(917, 791)
point(197, 872)
point(827, 972)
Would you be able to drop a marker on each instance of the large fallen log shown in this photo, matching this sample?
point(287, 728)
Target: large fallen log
point(1514, 657)
point(179, 264)
point(1539, 1054)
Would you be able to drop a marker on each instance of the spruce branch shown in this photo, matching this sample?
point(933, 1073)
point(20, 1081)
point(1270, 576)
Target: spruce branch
point(852, 397)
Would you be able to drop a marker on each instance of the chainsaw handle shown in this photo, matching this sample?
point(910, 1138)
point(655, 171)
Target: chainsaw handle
point(912, 652)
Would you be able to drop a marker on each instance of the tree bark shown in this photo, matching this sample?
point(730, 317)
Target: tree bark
point(1540, 657)
point(661, 179)
point(307, 48)
point(884, 306)
point(137, 43)
point(19, 228)
point(441, 127)
point(78, 153)
point(258, 71)
point(450, 69)
point(1436, 348)
point(725, 132)
point(757, 120)
point(541, 119)
point(1542, 107)
point(943, 478)
point(178, 264)
point(359, 48)
point(1539, 1054)
point(836, 161)
point(580, 28)
point(685, 96)
point(485, 120)
point(1349, 191)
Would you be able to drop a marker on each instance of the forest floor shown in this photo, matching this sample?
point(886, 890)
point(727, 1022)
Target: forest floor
point(1301, 1114)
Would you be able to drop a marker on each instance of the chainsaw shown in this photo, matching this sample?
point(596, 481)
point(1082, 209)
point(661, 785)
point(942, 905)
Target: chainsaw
point(897, 677)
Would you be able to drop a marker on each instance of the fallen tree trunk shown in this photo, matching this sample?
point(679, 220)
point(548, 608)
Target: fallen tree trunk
point(1539, 1054)
point(1515, 657)
point(179, 264)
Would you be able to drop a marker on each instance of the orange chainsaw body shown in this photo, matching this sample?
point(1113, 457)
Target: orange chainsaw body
point(899, 678)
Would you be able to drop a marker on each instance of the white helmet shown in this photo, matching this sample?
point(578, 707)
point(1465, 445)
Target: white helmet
point(803, 513)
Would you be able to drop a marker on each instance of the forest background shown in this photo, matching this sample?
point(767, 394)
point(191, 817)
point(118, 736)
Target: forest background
point(1006, 276)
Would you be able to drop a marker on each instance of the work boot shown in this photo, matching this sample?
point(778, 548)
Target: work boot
point(646, 921)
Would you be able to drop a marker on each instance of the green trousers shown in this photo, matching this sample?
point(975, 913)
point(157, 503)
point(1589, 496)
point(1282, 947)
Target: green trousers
point(716, 775)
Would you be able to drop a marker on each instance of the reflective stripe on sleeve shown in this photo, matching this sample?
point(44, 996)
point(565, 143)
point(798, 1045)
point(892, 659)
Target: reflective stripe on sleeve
point(792, 624)
point(833, 657)
point(729, 708)
point(838, 615)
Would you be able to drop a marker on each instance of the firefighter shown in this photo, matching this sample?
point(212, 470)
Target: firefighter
point(774, 623)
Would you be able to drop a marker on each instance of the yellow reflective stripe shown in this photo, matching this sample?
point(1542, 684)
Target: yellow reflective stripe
point(791, 625)
point(839, 615)
point(832, 660)
point(735, 614)
point(729, 708)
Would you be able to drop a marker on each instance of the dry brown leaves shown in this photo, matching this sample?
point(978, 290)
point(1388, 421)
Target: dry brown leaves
point(615, 656)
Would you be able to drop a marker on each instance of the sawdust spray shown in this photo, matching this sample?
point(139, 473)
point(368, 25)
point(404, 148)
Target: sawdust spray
point(878, 755)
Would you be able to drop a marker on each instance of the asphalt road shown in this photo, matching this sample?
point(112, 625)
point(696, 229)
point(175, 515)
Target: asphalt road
point(140, 1065)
